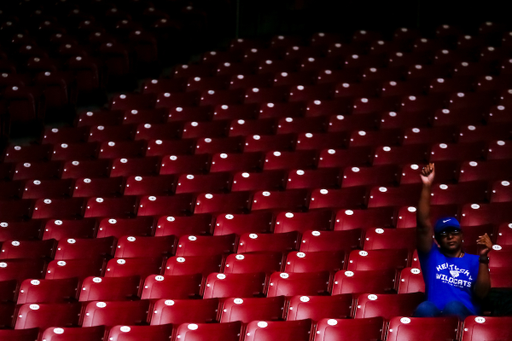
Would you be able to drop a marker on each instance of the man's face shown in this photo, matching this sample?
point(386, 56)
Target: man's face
point(450, 240)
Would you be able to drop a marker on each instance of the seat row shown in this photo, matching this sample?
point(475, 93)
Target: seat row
point(118, 324)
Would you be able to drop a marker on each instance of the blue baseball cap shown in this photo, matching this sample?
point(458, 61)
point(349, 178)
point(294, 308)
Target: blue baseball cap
point(445, 224)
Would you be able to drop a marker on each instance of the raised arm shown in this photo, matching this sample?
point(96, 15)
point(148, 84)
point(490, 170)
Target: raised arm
point(483, 281)
point(424, 230)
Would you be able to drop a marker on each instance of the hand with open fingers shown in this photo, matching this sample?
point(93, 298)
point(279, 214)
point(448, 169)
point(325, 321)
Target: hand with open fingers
point(427, 174)
point(485, 240)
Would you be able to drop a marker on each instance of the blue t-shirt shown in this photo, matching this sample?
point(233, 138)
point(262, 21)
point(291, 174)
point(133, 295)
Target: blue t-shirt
point(449, 279)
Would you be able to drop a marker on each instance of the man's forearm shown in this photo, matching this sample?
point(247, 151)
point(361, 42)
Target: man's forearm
point(483, 281)
point(423, 213)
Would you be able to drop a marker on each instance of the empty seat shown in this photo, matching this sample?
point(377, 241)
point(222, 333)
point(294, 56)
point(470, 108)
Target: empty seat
point(44, 249)
point(364, 218)
point(370, 176)
point(265, 143)
point(377, 259)
point(59, 208)
point(281, 110)
point(290, 160)
point(109, 289)
point(16, 210)
point(379, 238)
point(156, 333)
point(410, 280)
point(72, 248)
point(357, 156)
point(133, 247)
point(219, 285)
point(36, 189)
point(122, 149)
point(37, 170)
point(164, 131)
point(279, 242)
point(267, 262)
point(114, 313)
point(135, 166)
point(387, 305)
point(172, 287)
point(302, 221)
point(250, 309)
point(383, 137)
point(21, 230)
point(206, 129)
point(488, 327)
point(485, 170)
point(255, 222)
point(179, 204)
point(443, 134)
point(357, 282)
point(317, 178)
point(348, 123)
point(187, 164)
point(417, 153)
point(139, 226)
point(71, 268)
point(458, 152)
point(53, 334)
point(21, 269)
point(48, 291)
point(32, 153)
point(314, 241)
point(98, 187)
point(291, 284)
point(349, 198)
point(231, 162)
point(191, 265)
point(141, 267)
point(254, 181)
point(197, 224)
point(205, 245)
point(318, 307)
point(150, 185)
point(105, 134)
point(394, 196)
point(320, 140)
point(180, 311)
point(123, 207)
point(258, 127)
point(210, 183)
point(349, 329)
point(278, 330)
point(301, 262)
point(292, 200)
point(229, 331)
point(47, 315)
point(235, 202)
point(406, 328)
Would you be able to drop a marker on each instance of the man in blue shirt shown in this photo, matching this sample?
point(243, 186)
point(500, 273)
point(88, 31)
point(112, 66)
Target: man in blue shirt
point(454, 280)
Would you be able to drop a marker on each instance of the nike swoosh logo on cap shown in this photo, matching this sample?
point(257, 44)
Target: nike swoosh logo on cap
point(444, 221)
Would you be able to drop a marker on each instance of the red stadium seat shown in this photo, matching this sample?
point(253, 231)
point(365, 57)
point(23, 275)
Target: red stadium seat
point(37, 189)
point(273, 180)
point(350, 198)
point(78, 334)
point(21, 230)
point(71, 268)
point(349, 329)
point(109, 314)
point(279, 242)
point(135, 166)
point(172, 287)
point(156, 333)
point(267, 262)
point(394, 196)
point(141, 267)
point(190, 265)
point(123, 207)
point(489, 170)
point(188, 164)
point(438, 328)
point(292, 200)
point(234, 162)
point(378, 259)
point(235, 202)
point(251, 309)
point(211, 183)
point(229, 331)
point(59, 208)
point(180, 204)
point(317, 178)
point(263, 143)
point(364, 218)
point(407, 214)
point(314, 241)
point(21, 269)
point(357, 282)
point(109, 289)
point(98, 187)
point(48, 291)
point(301, 262)
point(488, 327)
point(318, 307)
point(291, 284)
point(197, 224)
point(278, 330)
point(37, 170)
point(379, 238)
point(47, 315)
point(150, 185)
point(357, 156)
point(303, 221)
point(206, 245)
point(92, 248)
point(387, 305)
point(256, 222)
point(219, 285)
point(410, 280)
point(28, 249)
point(184, 311)
point(370, 176)
point(133, 247)
point(305, 159)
